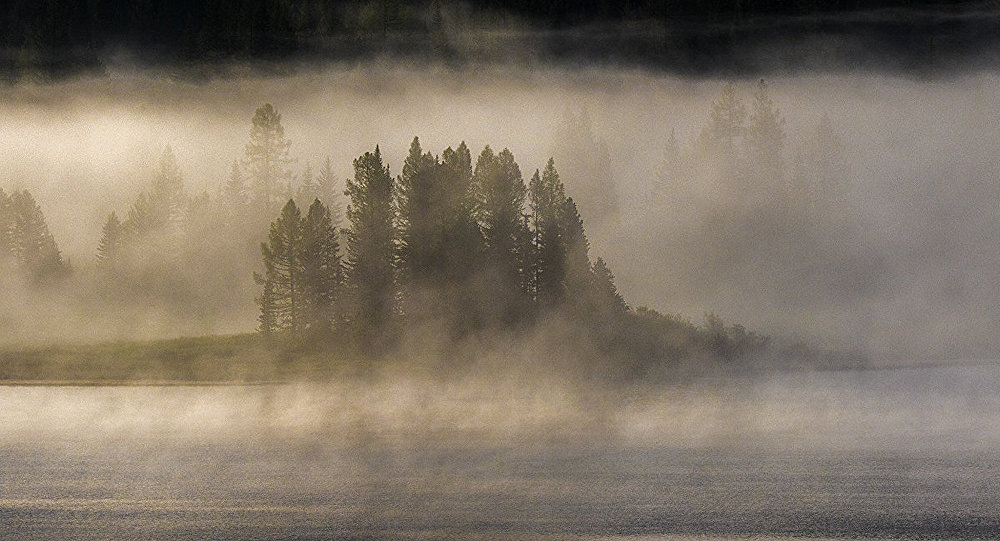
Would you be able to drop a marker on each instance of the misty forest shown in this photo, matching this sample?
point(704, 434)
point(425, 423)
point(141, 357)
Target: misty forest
point(473, 269)
point(450, 245)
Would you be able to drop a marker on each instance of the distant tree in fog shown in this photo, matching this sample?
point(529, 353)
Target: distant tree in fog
point(577, 252)
point(25, 240)
point(727, 124)
point(327, 190)
point(109, 250)
point(604, 290)
point(234, 191)
point(266, 159)
point(308, 190)
point(766, 140)
point(586, 168)
point(371, 246)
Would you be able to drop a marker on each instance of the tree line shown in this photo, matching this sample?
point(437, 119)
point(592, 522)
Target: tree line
point(452, 243)
point(27, 248)
point(474, 245)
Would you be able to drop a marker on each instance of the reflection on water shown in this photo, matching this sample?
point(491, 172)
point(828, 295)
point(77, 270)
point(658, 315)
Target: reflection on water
point(878, 454)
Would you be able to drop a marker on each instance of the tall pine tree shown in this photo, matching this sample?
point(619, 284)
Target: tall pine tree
point(321, 272)
point(266, 158)
point(110, 249)
point(371, 247)
point(282, 303)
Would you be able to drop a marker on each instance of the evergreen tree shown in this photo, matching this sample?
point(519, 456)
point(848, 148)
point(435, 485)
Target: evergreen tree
point(578, 269)
point(326, 188)
point(267, 320)
point(501, 208)
point(234, 191)
point(605, 292)
point(672, 184)
point(31, 245)
point(766, 139)
point(726, 125)
point(266, 158)
point(586, 166)
point(371, 246)
point(463, 243)
point(282, 279)
point(109, 251)
point(421, 218)
point(548, 203)
point(168, 203)
point(308, 190)
point(322, 273)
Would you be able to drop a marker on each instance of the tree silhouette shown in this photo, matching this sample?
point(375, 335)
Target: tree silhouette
point(421, 216)
point(112, 244)
point(30, 245)
point(501, 193)
point(548, 205)
point(321, 273)
point(766, 140)
point(266, 158)
point(371, 247)
point(282, 305)
point(605, 292)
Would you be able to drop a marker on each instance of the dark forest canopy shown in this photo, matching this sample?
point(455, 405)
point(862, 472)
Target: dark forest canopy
point(55, 37)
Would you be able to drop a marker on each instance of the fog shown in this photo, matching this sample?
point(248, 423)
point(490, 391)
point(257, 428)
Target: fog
point(910, 269)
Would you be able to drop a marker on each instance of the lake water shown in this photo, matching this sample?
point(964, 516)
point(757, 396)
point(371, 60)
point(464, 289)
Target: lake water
point(887, 454)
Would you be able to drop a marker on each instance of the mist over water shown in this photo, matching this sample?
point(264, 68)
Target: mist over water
point(884, 454)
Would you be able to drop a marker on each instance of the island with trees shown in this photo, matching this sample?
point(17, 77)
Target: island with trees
point(453, 256)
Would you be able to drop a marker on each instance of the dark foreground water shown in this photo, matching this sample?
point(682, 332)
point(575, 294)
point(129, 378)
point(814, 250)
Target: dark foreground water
point(880, 455)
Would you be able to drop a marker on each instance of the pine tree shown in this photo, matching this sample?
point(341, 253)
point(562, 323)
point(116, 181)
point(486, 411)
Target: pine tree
point(266, 158)
point(605, 293)
point(308, 190)
point(727, 124)
point(327, 192)
point(282, 279)
point(672, 183)
point(322, 273)
point(32, 246)
point(766, 139)
point(371, 246)
point(501, 195)
point(548, 203)
point(109, 251)
point(234, 191)
point(578, 269)
point(267, 320)
point(463, 240)
point(421, 218)
point(168, 203)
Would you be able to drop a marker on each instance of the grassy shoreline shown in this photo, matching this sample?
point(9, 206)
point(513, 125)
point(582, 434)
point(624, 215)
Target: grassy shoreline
point(242, 359)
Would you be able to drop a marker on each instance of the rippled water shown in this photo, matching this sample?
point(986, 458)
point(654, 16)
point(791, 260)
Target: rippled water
point(895, 454)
